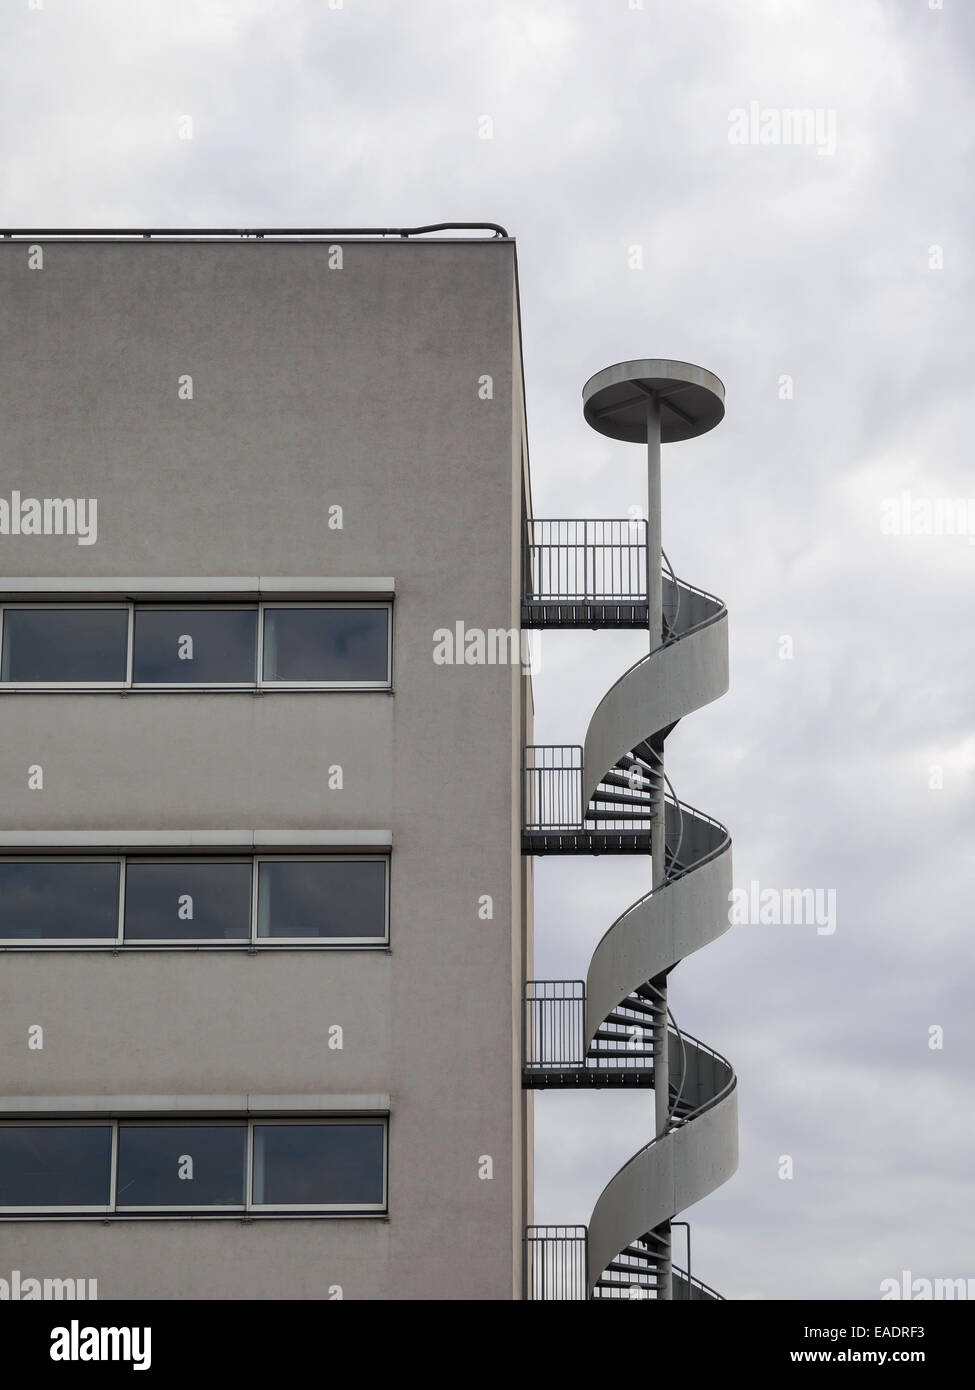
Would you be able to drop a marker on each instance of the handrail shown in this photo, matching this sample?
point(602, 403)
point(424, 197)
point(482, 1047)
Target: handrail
point(539, 540)
point(584, 561)
point(562, 1257)
point(701, 593)
point(694, 1282)
point(672, 1110)
point(677, 637)
point(259, 234)
point(577, 768)
point(672, 622)
point(681, 873)
point(695, 1114)
point(669, 874)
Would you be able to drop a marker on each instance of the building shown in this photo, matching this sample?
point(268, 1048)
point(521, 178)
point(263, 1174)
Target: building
point(308, 457)
point(269, 790)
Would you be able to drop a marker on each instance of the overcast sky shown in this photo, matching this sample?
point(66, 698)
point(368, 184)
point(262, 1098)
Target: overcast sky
point(843, 264)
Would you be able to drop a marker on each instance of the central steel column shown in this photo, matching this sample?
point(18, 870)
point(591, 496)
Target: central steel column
point(658, 825)
point(655, 597)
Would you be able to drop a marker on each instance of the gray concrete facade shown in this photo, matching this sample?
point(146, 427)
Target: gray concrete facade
point(313, 386)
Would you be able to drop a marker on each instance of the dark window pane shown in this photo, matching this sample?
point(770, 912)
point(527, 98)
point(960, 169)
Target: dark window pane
point(64, 644)
point(318, 1164)
point(48, 900)
point(181, 1165)
point(187, 901)
point(325, 644)
point(55, 1165)
point(322, 898)
point(210, 645)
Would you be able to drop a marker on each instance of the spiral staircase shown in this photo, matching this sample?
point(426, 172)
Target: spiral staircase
point(612, 796)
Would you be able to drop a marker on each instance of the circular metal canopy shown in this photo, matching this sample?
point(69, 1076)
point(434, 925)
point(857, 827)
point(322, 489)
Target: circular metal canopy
point(691, 400)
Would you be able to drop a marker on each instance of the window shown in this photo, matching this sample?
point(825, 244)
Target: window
point(187, 900)
point(326, 644)
point(64, 645)
point(331, 899)
point(55, 1166)
point(284, 900)
point(181, 1165)
point(199, 646)
point(59, 900)
point(207, 646)
point(313, 1165)
point(135, 1166)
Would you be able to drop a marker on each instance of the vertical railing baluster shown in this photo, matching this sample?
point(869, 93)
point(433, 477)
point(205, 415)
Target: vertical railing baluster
point(555, 1262)
point(578, 563)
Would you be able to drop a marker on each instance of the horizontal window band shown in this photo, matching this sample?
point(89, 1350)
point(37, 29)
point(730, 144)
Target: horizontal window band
point(253, 587)
point(226, 899)
point(267, 1161)
point(243, 1106)
point(120, 644)
point(202, 841)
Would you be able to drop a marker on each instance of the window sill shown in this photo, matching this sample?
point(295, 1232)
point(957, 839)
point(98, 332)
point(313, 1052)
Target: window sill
point(282, 688)
point(244, 1217)
point(119, 948)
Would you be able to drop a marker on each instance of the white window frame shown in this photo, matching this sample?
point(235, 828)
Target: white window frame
point(291, 941)
point(60, 605)
point(254, 608)
point(246, 939)
point(320, 1121)
point(46, 1123)
point(265, 684)
point(189, 1211)
point(67, 942)
point(258, 685)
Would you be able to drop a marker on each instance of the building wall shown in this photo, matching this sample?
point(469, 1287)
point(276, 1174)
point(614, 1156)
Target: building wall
point(311, 387)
